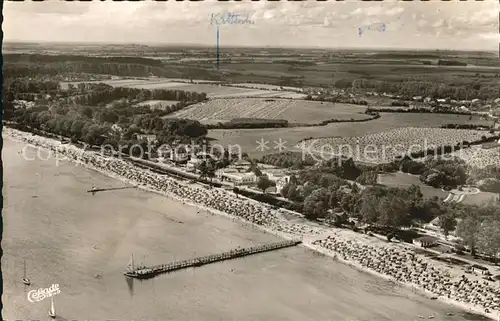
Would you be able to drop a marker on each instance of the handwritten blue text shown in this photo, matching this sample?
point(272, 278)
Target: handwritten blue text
point(230, 18)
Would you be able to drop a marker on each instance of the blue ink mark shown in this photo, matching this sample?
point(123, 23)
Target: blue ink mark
point(230, 18)
point(217, 47)
point(378, 26)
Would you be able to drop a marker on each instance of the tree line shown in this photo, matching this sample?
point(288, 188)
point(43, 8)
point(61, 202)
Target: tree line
point(102, 94)
point(459, 89)
point(29, 65)
point(422, 110)
point(45, 59)
point(434, 171)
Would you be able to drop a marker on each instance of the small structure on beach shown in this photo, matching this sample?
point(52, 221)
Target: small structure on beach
point(480, 269)
point(425, 241)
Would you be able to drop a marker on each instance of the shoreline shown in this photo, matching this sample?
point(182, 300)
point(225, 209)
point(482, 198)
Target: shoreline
point(247, 211)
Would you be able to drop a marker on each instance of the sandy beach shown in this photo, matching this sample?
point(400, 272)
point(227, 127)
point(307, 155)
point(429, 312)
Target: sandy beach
point(391, 261)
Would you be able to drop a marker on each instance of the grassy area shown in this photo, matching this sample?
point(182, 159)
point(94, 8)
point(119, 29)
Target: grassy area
point(404, 180)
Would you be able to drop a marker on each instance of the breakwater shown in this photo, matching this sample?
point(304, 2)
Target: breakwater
point(149, 272)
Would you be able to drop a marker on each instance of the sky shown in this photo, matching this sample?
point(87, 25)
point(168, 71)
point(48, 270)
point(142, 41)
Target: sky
point(469, 25)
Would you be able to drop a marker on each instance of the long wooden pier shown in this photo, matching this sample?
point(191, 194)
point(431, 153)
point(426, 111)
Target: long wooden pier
point(152, 271)
point(109, 189)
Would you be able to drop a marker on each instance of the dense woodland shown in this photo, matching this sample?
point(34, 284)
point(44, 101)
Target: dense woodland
point(100, 114)
point(456, 89)
point(435, 110)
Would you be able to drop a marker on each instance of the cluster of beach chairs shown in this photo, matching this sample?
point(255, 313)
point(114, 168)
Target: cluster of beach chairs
point(407, 267)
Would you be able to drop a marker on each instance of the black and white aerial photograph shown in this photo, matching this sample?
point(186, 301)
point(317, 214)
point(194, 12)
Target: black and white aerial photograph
point(251, 160)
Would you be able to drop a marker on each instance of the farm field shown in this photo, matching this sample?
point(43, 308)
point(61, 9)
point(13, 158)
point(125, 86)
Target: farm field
point(384, 147)
point(246, 138)
point(479, 157)
point(295, 111)
point(212, 89)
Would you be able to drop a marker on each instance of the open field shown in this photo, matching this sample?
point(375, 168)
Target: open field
point(350, 69)
point(384, 147)
point(246, 138)
point(404, 180)
point(210, 88)
point(295, 111)
point(479, 157)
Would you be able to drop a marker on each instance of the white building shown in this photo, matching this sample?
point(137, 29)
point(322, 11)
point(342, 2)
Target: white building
point(281, 183)
point(148, 138)
point(193, 163)
point(241, 164)
point(273, 176)
point(236, 177)
point(240, 178)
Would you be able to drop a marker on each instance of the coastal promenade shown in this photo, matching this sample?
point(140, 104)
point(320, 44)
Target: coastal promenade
point(150, 272)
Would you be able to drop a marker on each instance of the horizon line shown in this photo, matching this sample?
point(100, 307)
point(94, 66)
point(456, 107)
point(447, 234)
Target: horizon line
point(151, 44)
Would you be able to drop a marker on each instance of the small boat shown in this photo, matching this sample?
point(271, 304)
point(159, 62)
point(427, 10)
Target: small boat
point(25, 279)
point(93, 190)
point(52, 311)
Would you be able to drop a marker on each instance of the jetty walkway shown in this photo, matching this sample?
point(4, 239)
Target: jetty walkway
point(109, 189)
point(149, 272)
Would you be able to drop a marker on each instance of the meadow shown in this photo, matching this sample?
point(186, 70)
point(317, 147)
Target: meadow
point(294, 111)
